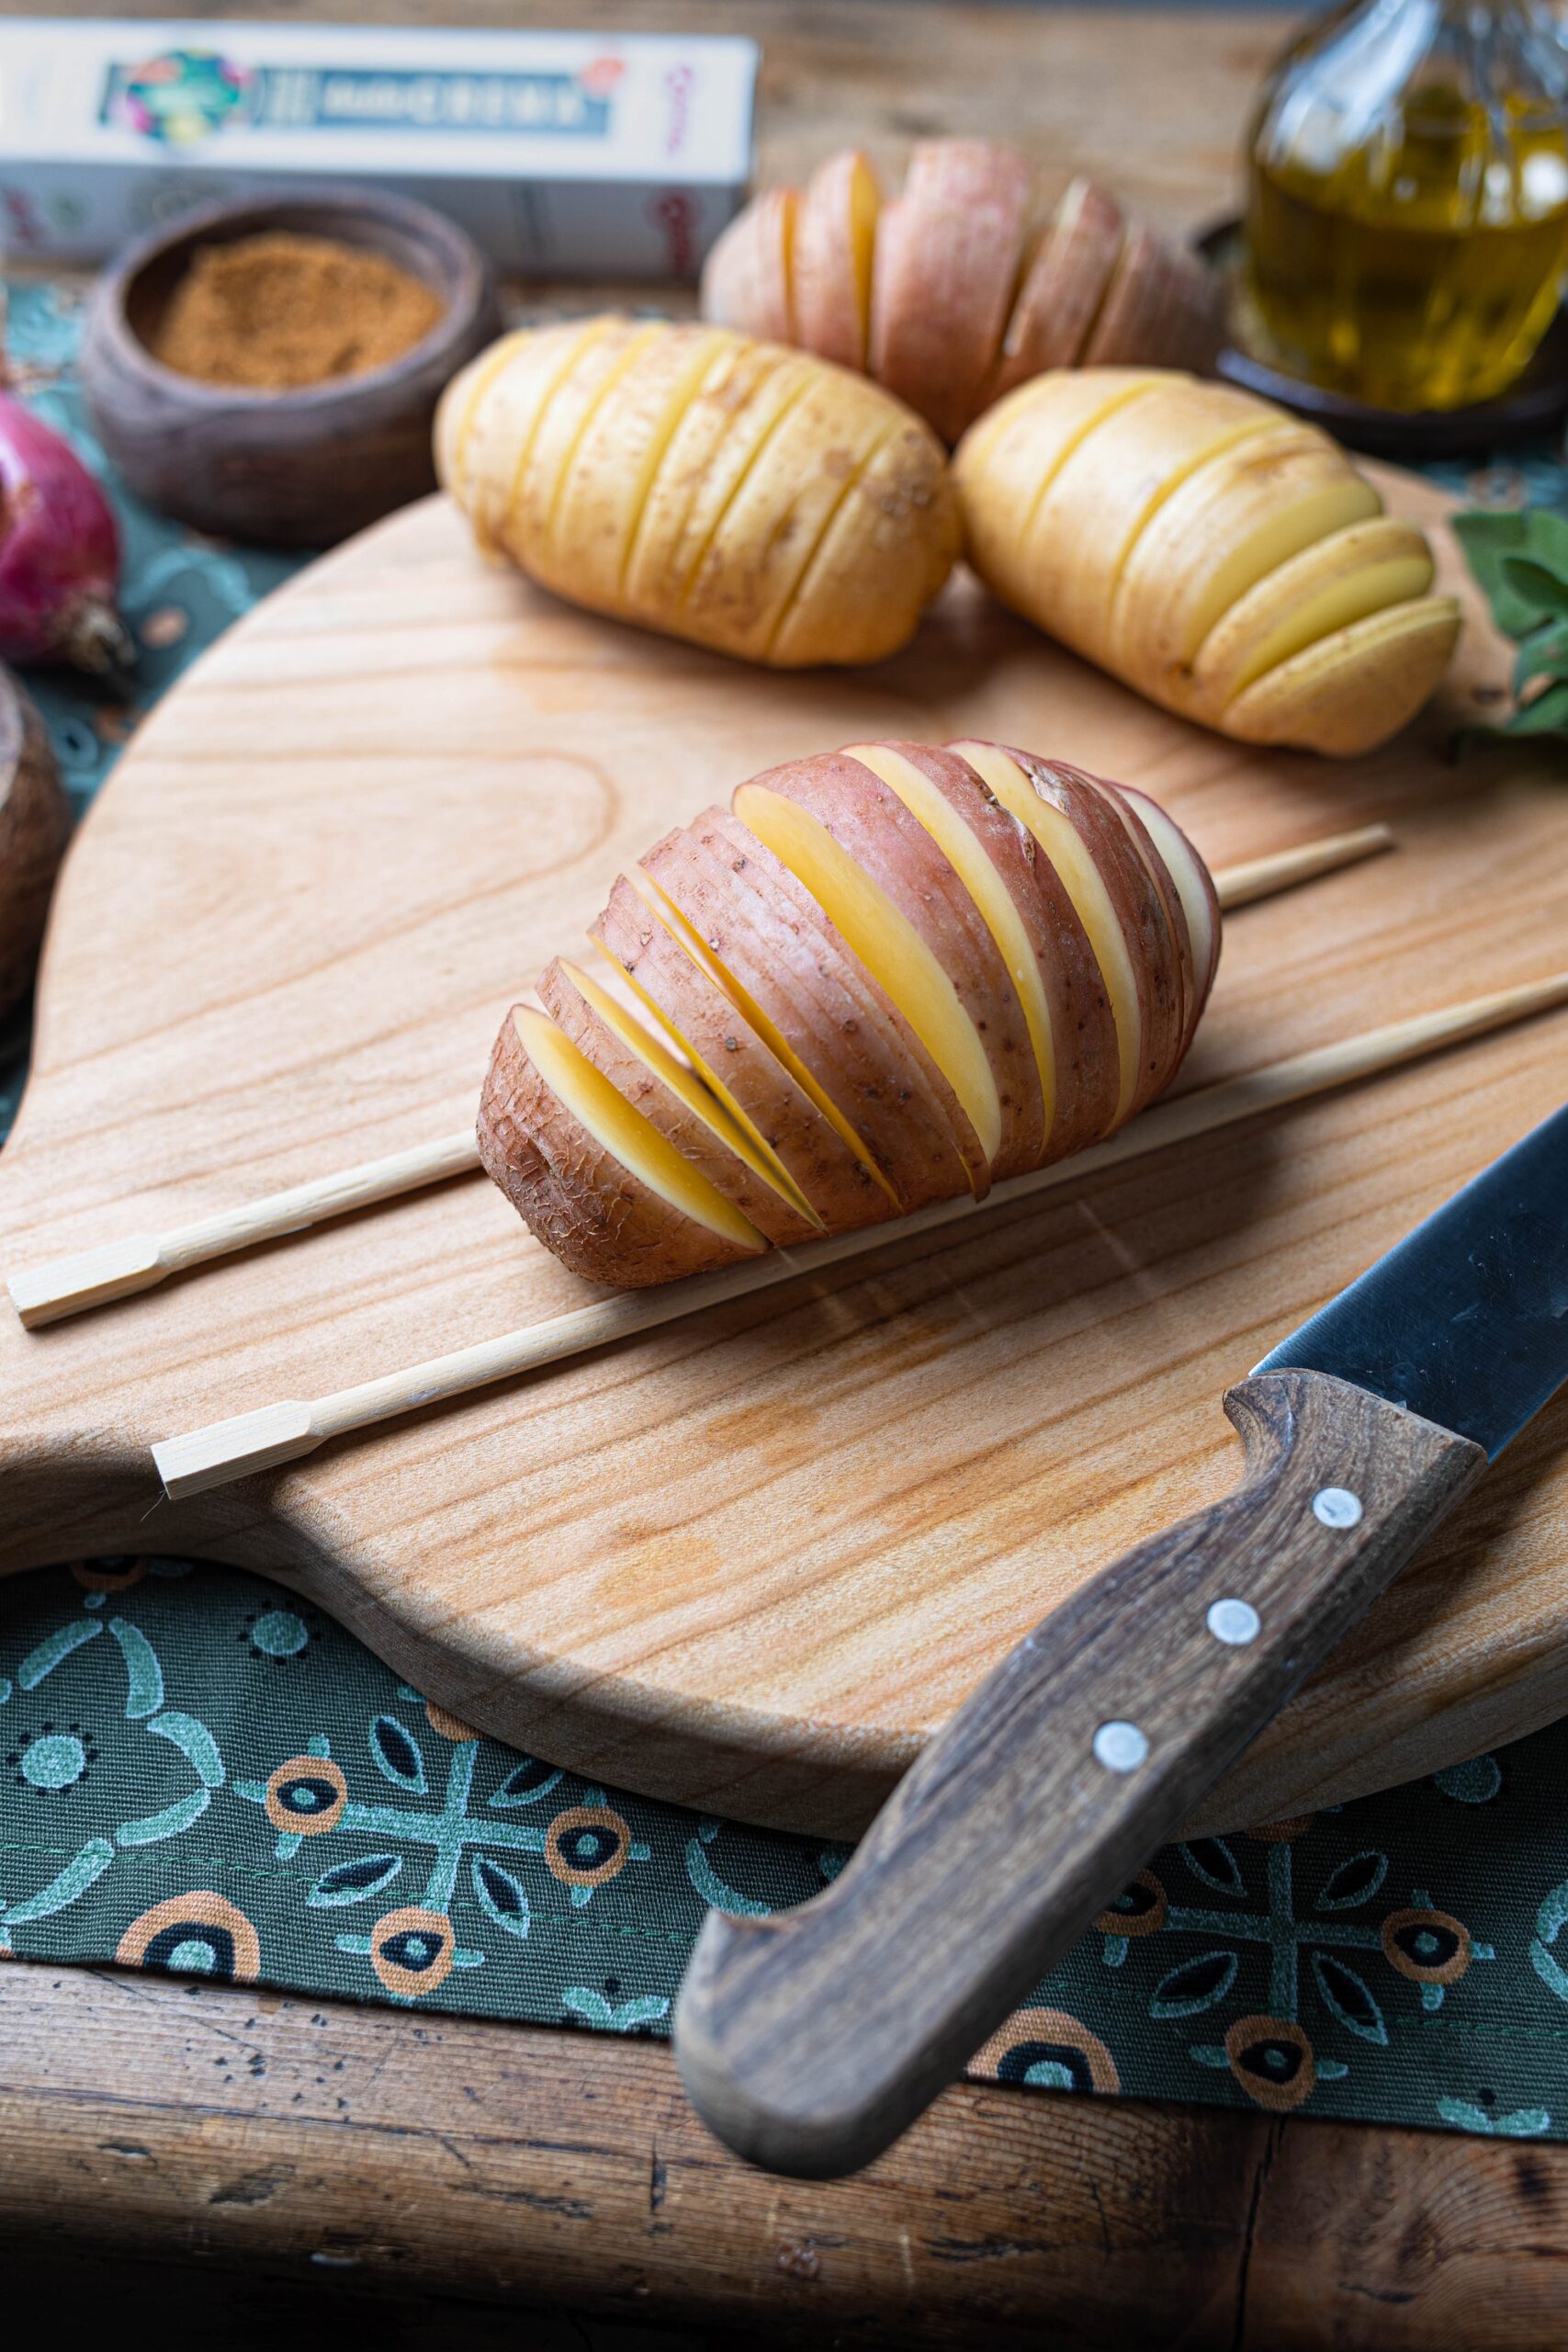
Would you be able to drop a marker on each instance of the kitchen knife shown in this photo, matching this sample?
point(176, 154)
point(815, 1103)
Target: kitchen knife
point(809, 2041)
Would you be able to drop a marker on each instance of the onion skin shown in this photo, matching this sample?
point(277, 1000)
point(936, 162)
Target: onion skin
point(59, 551)
point(35, 825)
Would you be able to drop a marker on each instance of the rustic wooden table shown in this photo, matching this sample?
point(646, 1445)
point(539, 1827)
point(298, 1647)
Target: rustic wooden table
point(335, 2151)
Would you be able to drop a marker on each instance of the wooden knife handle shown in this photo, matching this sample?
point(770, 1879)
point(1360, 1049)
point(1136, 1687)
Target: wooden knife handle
point(810, 2039)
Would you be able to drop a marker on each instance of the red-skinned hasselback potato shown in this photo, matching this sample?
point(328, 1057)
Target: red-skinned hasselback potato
point(966, 283)
point(885, 977)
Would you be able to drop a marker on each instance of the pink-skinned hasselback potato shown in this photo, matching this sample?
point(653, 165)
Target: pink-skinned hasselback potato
point(966, 283)
point(882, 978)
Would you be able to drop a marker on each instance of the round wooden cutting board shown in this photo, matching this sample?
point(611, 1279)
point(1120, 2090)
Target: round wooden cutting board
point(751, 1560)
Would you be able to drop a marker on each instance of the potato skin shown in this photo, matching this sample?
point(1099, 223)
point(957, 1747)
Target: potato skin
point(892, 846)
point(591, 1212)
point(1047, 468)
point(801, 973)
point(842, 1192)
point(839, 528)
point(720, 929)
point(597, 1043)
point(973, 287)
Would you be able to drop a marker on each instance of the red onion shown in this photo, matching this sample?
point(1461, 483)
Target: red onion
point(59, 551)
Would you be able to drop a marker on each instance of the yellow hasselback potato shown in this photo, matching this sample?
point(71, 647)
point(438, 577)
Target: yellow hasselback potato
point(747, 497)
point(1222, 558)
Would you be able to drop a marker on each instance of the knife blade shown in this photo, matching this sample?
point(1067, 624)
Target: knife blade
point(806, 2039)
point(1465, 1321)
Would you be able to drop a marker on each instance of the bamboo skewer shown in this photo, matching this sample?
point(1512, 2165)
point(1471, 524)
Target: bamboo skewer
point(62, 1286)
point(1264, 877)
point(274, 1434)
point(59, 1287)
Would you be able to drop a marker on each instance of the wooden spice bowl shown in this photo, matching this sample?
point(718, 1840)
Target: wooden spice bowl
point(300, 468)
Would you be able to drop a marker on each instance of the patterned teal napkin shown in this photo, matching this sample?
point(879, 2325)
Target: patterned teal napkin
point(207, 1776)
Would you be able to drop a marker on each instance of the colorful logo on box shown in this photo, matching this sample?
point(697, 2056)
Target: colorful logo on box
point(184, 95)
point(179, 96)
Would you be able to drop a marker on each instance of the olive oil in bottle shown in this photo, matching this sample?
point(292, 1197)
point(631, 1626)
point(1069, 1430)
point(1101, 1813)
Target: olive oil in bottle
point(1407, 222)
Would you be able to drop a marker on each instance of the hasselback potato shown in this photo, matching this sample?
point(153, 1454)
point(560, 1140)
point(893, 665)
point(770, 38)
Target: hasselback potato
point(1220, 556)
point(749, 498)
point(884, 977)
point(963, 286)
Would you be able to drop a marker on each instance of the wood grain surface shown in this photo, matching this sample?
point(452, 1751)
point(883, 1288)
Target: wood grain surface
point(751, 1560)
point(358, 2151)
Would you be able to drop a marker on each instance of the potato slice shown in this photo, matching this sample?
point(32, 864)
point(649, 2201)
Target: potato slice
point(1129, 465)
point(597, 1182)
point(1062, 287)
point(1162, 305)
point(1006, 464)
point(1196, 888)
point(489, 413)
point(648, 1073)
point(1337, 580)
point(748, 277)
point(835, 238)
point(1161, 919)
point(942, 793)
point(604, 487)
point(784, 1125)
point(881, 935)
point(598, 365)
point(749, 390)
point(1087, 889)
point(948, 254)
point(854, 600)
point(904, 912)
point(800, 477)
point(676, 868)
point(1350, 692)
point(793, 977)
point(1228, 526)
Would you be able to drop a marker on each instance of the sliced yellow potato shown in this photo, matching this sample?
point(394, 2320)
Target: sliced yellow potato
point(773, 1036)
point(1106, 490)
point(639, 1037)
point(1351, 691)
point(747, 388)
point(1085, 885)
point(804, 470)
point(967, 854)
point(1227, 526)
point(625, 1135)
point(607, 480)
point(1006, 463)
point(597, 368)
point(889, 946)
point(1339, 579)
point(489, 417)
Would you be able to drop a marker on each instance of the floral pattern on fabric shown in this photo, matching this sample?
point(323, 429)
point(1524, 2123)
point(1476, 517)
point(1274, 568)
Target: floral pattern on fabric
point(205, 1776)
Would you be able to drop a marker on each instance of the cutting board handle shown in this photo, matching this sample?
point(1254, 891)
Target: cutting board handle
point(810, 2039)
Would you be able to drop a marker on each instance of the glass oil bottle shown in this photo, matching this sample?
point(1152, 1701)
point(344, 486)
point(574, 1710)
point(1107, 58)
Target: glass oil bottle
point(1407, 222)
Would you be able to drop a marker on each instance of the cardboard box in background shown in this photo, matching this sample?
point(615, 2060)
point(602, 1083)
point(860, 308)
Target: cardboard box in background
point(563, 155)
